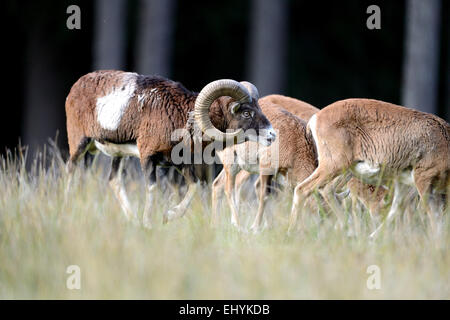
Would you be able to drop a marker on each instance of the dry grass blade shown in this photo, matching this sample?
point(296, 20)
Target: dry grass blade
point(41, 234)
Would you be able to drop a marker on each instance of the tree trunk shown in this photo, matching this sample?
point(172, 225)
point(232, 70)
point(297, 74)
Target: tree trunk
point(268, 45)
point(154, 37)
point(447, 78)
point(44, 94)
point(109, 34)
point(420, 74)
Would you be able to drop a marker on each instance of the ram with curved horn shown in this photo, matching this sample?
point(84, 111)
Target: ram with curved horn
point(126, 114)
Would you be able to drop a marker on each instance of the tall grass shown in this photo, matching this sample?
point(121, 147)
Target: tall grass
point(42, 232)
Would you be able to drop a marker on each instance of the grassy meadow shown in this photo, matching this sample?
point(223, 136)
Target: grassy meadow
point(42, 233)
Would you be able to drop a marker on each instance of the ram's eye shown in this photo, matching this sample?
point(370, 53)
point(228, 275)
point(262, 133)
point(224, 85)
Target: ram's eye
point(246, 114)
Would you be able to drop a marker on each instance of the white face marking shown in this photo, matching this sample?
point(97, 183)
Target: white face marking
point(118, 150)
point(111, 107)
point(267, 136)
point(270, 133)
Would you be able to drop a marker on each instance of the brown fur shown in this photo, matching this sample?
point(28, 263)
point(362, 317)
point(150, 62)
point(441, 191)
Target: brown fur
point(379, 133)
point(155, 109)
point(301, 109)
point(150, 123)
point(297, 158)
point(370, 195)
point(274, 106)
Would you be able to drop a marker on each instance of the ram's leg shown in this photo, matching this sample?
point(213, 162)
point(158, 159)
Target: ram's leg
point(149, 168)
point(204, 197)
point(331, 197)
point(435, 211)
point(116, 183)
point(179, 210)
point(429, 183)
point(230, 179)
point(176, 182)
point(76, 153)
point(241, 179)
point(217, 191)
point(356, 220)
point(335, 201)
point(162, 178)
point(318, 178)
point(393, 211)
point(264, 182)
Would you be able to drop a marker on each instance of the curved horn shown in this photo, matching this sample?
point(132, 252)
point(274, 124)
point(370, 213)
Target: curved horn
point(251, 89)
point(206, 97)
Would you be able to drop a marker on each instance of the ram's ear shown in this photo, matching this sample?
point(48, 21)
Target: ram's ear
point(234, 107)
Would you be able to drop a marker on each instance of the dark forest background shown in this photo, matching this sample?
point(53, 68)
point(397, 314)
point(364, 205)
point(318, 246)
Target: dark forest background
point(316, 51)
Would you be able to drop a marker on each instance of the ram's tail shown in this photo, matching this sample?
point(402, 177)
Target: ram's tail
point(310, 137)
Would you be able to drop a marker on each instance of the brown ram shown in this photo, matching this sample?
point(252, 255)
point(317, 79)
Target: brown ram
point(293, 155)
point(127, 114)
point(376, 139)
point(273, 106)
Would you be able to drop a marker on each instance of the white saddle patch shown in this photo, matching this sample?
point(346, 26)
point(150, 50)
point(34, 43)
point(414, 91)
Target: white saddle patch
point(366, 172)
point(118, 150)
point(365, 169)
point(111, 107)
point(369, 174)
